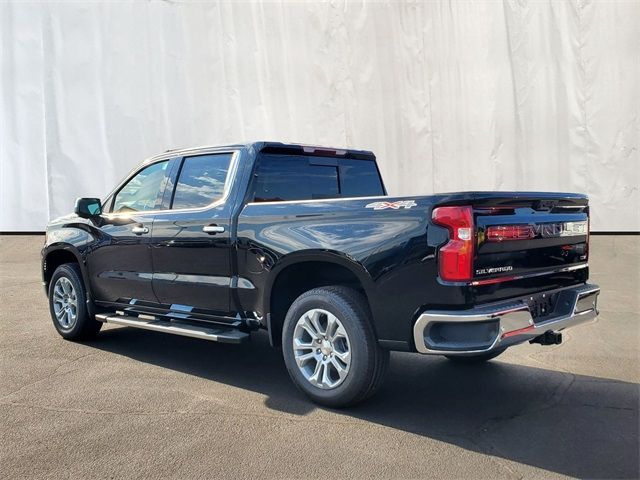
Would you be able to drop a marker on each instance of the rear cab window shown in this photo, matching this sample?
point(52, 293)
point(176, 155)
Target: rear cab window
point(290, 177)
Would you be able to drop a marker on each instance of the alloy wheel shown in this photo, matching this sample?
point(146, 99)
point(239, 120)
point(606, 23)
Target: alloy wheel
point(65, 303)
point(321, 348)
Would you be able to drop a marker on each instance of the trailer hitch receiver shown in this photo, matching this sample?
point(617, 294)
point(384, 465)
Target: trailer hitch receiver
point(548, 338)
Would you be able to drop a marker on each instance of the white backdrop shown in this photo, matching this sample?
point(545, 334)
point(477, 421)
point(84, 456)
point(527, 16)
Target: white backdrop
point(489, 95)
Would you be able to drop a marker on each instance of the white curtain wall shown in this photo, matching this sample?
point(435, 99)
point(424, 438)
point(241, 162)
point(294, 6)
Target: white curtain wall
point(451, 95)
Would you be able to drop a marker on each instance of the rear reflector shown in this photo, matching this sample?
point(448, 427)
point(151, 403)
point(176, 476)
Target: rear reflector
point(456, 257)
point(499, 233)
point(520, 331)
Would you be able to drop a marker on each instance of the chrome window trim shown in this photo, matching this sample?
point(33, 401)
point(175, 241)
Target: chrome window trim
point(231, 175)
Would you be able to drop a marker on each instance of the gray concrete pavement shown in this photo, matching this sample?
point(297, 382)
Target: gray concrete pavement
point(136, 404)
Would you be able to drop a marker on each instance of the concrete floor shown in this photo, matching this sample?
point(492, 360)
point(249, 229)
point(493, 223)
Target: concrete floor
point(142, 404)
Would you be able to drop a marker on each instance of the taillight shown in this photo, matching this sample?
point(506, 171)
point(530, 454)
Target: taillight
point(499, 233)
point(586, 250)
point(455, 259)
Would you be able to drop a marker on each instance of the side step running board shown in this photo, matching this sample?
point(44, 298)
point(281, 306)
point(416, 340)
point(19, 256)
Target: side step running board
point(176, 327)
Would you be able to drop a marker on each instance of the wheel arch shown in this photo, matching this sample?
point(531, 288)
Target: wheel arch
point(58, 254)
point(299, 272)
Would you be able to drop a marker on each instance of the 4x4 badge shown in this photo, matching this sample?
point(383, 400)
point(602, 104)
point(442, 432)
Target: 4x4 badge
point(392, 205)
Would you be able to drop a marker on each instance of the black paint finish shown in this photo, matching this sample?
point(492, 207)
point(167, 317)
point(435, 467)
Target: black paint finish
point(391, 252)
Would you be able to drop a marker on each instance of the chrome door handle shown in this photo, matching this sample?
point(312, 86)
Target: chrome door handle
point(139, 230)
point(211, 229)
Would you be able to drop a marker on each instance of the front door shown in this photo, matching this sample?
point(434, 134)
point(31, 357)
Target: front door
point(191, 241)
point(119, 267)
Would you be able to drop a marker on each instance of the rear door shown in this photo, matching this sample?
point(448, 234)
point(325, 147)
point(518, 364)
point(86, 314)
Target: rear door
point(191, 240)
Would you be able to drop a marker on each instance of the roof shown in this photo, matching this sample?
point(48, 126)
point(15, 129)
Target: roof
point(259, 145)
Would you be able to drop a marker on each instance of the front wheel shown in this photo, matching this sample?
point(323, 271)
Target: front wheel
point(330, 348)
point(67, 304)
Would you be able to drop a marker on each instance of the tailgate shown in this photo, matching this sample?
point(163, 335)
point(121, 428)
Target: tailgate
point(526, 240)
point(517, 235)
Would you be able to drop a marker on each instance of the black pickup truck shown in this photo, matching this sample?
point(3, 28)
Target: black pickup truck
point(303, 242)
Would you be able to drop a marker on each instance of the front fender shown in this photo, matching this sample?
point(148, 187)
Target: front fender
point(74, 242)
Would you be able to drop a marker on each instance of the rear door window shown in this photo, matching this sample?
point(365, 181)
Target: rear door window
point(201, 180)
point(301, 177)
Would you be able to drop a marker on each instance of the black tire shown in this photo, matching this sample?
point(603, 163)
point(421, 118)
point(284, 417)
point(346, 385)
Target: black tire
point(476, 357)
point(369, 361)
point(85, 326)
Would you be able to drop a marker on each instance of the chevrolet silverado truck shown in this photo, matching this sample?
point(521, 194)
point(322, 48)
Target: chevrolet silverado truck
point(303, 242)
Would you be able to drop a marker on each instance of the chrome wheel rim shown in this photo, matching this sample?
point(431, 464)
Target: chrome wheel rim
point(65, 303)
point(321, 348)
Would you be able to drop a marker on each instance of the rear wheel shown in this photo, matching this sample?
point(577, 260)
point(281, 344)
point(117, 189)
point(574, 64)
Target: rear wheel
point(67, 304)
point(475, 357)
point(330, 348)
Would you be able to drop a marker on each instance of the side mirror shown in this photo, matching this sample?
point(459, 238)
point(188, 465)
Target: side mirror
point(88, 207)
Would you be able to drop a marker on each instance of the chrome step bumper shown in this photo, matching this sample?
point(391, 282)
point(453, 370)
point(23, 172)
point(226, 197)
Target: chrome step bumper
point(177, 327)
point(499, 325)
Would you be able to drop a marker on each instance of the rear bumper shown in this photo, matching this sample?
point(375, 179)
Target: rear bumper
point(503, 324)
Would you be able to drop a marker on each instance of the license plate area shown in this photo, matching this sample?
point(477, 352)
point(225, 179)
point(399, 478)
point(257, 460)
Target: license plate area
point(542, 305)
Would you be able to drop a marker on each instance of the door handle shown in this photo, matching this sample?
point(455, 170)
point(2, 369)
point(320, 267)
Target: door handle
point(139, 230)
point(213, 229)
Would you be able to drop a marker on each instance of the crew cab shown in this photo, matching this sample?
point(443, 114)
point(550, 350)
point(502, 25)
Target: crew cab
point(304, 242)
